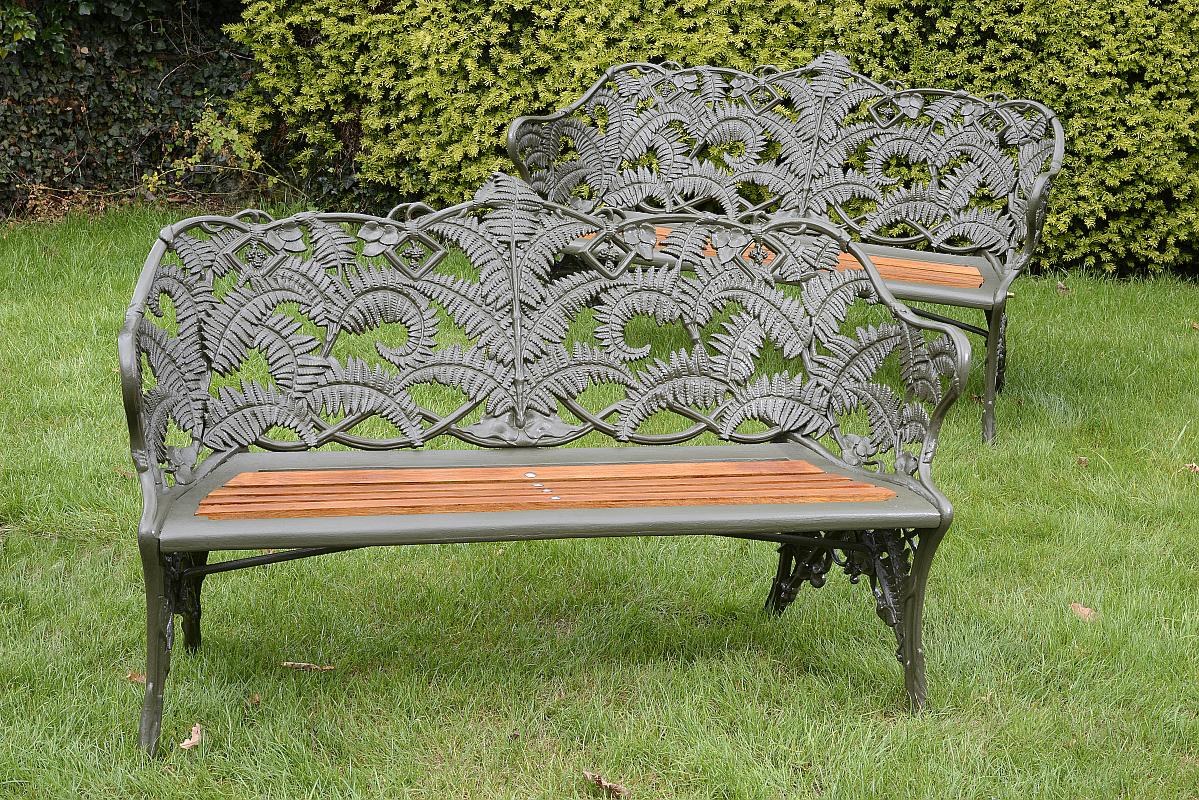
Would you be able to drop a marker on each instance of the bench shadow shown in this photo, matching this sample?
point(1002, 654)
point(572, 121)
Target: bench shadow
point(509, 619)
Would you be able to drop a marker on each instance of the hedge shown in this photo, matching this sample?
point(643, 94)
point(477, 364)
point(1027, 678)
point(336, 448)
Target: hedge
point(101, 94)
point(391, 101)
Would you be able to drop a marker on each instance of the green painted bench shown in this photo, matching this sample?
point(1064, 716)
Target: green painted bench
point(291, 385)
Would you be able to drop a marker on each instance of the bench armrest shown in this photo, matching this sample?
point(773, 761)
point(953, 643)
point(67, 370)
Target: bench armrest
point(934, 366)
point(948, 353)
point(132, 388)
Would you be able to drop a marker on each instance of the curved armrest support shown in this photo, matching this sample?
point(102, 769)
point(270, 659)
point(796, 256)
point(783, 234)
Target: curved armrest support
point(934, 372)
point(131, 371)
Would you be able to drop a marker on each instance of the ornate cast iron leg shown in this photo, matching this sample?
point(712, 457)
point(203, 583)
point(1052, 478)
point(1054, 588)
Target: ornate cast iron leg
point(1002, 352)
point(159, 638)
point(912, 649)
point(796, 565)
point(896, 563)
point(995, 319)
point(885, 564)
point(189, 601)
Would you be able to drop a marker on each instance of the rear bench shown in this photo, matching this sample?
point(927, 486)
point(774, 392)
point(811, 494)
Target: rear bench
point(945, 190)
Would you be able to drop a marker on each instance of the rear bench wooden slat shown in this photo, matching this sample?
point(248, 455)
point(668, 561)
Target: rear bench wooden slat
point(328, 493)
point(891, 268)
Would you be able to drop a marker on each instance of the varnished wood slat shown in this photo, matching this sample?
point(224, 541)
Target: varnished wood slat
point(942, 271)
point(476, 474)
point(908, 270)
point(849, 490)
point(890, 268)
point(533, 505)
point(492, 492)
point(481, 489)
point(253, 493)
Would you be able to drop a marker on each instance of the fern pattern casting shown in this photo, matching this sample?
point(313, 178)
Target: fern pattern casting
point(246, 331)
point(895, 166)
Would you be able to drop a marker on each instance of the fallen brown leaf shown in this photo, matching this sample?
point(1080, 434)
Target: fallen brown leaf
point(1062, 288)
point(514, 736)
point(1083, 461)
point(193, 740)
point(1195, 326)
point(1083, 613)
point(254, 699)
point(613, 789)
point(304, 665)
point(978, 398)
point(1192, 467)
point(127, 474)
point(135, 677)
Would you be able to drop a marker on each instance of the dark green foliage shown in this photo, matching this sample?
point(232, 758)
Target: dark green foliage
point(101, 94)
point(389, 101)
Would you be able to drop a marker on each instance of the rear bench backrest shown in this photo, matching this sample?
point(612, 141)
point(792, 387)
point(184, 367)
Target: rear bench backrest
point(379, 333)
point(907, 167)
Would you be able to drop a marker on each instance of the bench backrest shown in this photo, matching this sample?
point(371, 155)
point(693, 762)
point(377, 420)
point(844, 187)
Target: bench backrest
point(378, 332)
point(930, 168)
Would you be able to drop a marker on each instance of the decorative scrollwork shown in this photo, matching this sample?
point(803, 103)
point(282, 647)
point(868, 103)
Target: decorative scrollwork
point(389, 332)
point(884, 558)
point(890, 164)
point(797, 566)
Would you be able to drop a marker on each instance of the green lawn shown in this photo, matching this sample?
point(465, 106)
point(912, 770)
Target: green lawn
point(506, 670)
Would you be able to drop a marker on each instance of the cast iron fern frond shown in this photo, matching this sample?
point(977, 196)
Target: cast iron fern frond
point(332, 246)
point(685, 381)
point(240, 417)
point(232, 327)
point(782, 318)
point(567, 374)
point(781, 401)
point(828, 296)
point(180, 374)
point(359, 390)
point(651, 292)
point(737, 347)
point(470, 371)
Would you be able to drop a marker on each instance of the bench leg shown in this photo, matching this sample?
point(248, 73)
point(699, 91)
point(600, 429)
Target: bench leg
point(189, 601)
point(912, 645)
point(1001, 355)
point(996, 325)
point(160, 614)
point(796, 565)
point(896, 564)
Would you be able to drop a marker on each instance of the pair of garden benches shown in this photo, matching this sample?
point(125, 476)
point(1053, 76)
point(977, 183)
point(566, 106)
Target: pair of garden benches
point(289, 383)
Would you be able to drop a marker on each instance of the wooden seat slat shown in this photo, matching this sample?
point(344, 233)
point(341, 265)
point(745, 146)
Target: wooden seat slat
point(476, 504)
point(475, 474)
point(251, 493)
point(517, 490)
point(326, 493)
point(891, 268)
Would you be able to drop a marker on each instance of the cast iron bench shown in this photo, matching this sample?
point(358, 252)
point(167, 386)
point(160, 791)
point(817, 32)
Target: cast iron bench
point(280, 376)
point(946, 190)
